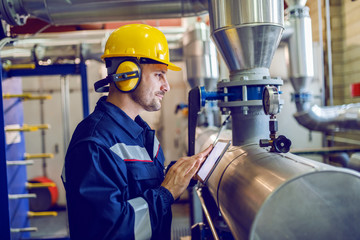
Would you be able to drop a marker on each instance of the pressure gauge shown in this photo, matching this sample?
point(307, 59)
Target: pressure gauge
point(271, 100)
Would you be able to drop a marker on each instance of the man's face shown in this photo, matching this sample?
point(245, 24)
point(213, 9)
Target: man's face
point(152, 87)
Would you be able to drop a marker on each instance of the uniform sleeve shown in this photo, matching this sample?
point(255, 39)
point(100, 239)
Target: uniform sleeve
point(98, 198)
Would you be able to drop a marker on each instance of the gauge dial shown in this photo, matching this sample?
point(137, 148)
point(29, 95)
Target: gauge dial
point(271, 100)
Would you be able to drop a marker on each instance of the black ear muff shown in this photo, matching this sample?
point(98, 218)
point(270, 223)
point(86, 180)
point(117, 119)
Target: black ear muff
point(126, 78)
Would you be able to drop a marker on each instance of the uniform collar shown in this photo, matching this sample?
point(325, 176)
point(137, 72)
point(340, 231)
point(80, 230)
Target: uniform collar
point(133, 128)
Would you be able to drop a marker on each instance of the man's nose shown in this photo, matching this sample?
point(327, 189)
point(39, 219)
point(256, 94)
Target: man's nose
point(165, 85)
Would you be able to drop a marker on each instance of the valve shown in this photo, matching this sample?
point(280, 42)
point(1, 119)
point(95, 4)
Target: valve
point(271, 106)
point(282, 144)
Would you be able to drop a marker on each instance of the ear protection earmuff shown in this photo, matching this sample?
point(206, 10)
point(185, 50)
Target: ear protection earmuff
point(126, 78)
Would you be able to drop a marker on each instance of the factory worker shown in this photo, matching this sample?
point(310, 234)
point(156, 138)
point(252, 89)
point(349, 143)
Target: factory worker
point(114, 166)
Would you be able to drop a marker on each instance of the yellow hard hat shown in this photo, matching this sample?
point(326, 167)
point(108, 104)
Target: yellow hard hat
point(140, 41)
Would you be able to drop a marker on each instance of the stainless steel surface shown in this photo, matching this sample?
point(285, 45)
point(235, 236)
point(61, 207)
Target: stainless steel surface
point(292, 3)
point(65, 107)
point(321, 50)
point(301, 49)
point(330, 119)
point(20, 196)
point(249, 128)
point(246, 32)
point(247, 47)
point(264, 195)
point(19, 162)
point(354, 162)
point(201, 57)
point(64, 12)
point(225, 13)
point(329, 53)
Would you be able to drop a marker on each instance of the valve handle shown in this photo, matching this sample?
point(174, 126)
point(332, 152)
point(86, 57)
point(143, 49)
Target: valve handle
point(282, 144)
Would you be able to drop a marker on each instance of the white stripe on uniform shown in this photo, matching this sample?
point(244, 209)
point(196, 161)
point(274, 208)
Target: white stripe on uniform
point(142, 225)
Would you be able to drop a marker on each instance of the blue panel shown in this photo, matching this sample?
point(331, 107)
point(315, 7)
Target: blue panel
point(253, 93)
point(15, 149)
point(4, 203)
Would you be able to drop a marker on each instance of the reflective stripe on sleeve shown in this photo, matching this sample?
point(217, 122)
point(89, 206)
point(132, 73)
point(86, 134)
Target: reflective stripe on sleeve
point(131, 153)
point(63, 174)
point(142, 225)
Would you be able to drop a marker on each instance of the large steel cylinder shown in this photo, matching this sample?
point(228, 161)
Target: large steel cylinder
point(266, 195)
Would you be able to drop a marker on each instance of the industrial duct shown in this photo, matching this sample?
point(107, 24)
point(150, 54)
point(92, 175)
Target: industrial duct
point(64, 12)
point(324, 119)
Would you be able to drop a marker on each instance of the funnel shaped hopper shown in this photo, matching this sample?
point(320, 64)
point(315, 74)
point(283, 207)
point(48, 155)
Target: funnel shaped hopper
point(292, 3)
point(247, 32)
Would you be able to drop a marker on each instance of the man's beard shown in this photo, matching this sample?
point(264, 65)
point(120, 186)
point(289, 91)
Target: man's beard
point(147, 99)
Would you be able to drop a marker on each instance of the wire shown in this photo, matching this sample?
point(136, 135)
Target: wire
point(221, 128)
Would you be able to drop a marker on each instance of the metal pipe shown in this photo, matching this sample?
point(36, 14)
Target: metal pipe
point(20, 196)
point(331, 118)
point(329, 53)
point(65, 106)
point(321, 46)
point(19, 162)
point(300, 48)
point(299, 197)
point(64, 12)
point(207, 215)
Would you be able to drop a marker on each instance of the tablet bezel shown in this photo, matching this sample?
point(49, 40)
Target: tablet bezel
point(228, 143)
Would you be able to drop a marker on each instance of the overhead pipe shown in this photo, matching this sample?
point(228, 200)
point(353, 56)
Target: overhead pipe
point(64, 12)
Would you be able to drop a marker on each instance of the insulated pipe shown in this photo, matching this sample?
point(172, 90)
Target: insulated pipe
point(266, 195)
point(300, 48)
point(65, 12)
point(330, 119)
point(325, 119)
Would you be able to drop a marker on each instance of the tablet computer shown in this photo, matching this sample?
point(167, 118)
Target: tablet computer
point(212, 160)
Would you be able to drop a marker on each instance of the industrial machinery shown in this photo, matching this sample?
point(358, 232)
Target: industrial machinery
point(267, 193)
point(260, 190)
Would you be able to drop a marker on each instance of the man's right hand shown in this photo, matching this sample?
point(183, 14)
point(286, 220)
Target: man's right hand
point(179, 175)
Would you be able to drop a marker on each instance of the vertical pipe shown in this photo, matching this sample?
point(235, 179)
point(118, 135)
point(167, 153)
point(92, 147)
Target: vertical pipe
point(328, 41)
point(65, 106)
point(321, 45)
point(4, 200)
point(84, 89)
point(43, 132)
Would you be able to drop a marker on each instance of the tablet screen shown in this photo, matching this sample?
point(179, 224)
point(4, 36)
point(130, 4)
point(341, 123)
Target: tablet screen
point(210, 162)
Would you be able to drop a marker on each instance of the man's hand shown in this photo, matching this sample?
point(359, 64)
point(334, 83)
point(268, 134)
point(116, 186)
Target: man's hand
point(180, 174)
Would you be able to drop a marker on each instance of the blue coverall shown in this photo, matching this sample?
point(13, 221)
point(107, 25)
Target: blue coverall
point(113, 170)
